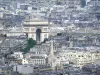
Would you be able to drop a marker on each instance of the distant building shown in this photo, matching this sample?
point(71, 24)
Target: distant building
point(95, 7)
point(23, 69)
point(18, 55)
point(36, 59)
point(72, 3)
point(79, 58)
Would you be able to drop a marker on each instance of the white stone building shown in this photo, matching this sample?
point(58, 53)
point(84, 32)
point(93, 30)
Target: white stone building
point(79, 58)
point(18, 55)
point(36, 59)
point(37, 29)
point(23, 69)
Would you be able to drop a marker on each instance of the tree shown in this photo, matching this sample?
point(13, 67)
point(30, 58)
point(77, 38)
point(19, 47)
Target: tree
point(30, 44)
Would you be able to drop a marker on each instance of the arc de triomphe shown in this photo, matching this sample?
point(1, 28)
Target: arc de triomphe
point(37, 29)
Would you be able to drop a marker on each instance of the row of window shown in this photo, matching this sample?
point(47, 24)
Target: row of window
point(86, 56)
point(41, 61)
point(33, 29)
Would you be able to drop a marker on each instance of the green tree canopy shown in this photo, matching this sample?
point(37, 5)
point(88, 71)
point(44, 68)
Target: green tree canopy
point(30, 44)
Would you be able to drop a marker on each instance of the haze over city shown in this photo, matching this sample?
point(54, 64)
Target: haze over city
point(49, 37)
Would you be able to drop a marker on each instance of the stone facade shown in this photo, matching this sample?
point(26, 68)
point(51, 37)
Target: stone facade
point(37, 29)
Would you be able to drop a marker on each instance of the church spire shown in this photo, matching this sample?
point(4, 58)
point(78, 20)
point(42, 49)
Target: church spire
point(51, 49)
point(51, 57)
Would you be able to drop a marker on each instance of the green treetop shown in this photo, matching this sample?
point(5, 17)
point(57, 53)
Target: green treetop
point(30, 44)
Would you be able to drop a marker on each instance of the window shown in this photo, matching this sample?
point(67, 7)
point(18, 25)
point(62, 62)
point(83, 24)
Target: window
point(24, 7)
point(45, 29)
point(32, 35)
point(32, 29)
point(45, 36)
point(26, 29)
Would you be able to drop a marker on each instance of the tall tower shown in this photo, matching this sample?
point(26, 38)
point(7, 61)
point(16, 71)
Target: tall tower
point(51, 57)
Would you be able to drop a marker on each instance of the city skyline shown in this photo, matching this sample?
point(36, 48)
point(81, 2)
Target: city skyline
point(49, 37)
